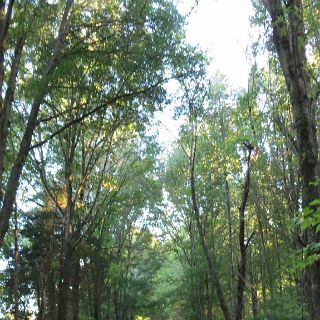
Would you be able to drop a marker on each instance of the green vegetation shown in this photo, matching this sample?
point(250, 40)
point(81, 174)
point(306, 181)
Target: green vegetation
point(96, 223)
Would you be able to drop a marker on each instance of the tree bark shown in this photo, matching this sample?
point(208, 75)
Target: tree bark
point(51, 291)
point(64, 288)
point(51, 296)
point(288, 37)
point(6, 105)
point(76, 291)
point(209, 299)
point(16, 268)
point(5, 17)
point(231, 268)
point(242, 245)
point(18, 164)
point(41, 312)
point(264, 250)
point(211, 266)
point(229, 218)
point(254, 301)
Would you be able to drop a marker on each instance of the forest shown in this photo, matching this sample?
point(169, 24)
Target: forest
point(99, 220)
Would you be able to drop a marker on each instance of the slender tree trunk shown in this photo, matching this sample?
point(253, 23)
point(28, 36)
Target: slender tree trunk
point(242, 245)
point(193, 263)
point(51, 296)
point(231, 268)
point(229, 218)
point(253, 286)
point(254, 301)
point(51, 291)
point(211, 266)
point(5, 17)
point(89, 292)
point(116, 304)
point(258, 211)
point(18, 164)
point(76, 290)
point(263, 283)
point(96, 304)
point(6, 105)
point(64, 288)
point(288, 37)
point(107, 314)
point(41, 313)
point(209, 299)
point(16, 268)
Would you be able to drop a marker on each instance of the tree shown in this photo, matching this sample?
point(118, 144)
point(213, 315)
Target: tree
point(120, 51)
point(289, 39)
point(208, 155)
point(9, 193)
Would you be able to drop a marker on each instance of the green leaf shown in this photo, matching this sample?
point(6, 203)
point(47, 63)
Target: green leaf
point(314, 203)
point(307, 211)
point(311, 259)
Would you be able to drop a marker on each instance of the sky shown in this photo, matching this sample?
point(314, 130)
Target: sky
point(222, 29)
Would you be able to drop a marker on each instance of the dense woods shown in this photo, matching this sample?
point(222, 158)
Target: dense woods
point(99, 220)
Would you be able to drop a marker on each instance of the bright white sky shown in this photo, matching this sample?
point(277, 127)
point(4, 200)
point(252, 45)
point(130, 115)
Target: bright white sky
point(222, 29)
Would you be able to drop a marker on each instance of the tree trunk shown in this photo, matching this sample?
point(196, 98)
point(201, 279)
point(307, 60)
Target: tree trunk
point(212, 268)
point(209, 299)
point(41, 313)
point(75, 291)
point(96, 297)
point(16, 269)
point(64, 288)
point(51, 291)
point(242, 245)
point(231, 268)
point(24, 148)
point(229, 218)
point(265, 255)
point(51, 296)
point(254, 301)
point(253, 285)
point(6, 105)
point(288, 38)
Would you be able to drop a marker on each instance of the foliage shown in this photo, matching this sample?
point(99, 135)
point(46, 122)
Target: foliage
point(100, 225)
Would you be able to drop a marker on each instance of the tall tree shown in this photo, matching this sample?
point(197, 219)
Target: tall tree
point(10, 191)
point(289, 38)
point(118, 50)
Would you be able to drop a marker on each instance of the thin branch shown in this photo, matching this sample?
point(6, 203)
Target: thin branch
point(94, 110)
